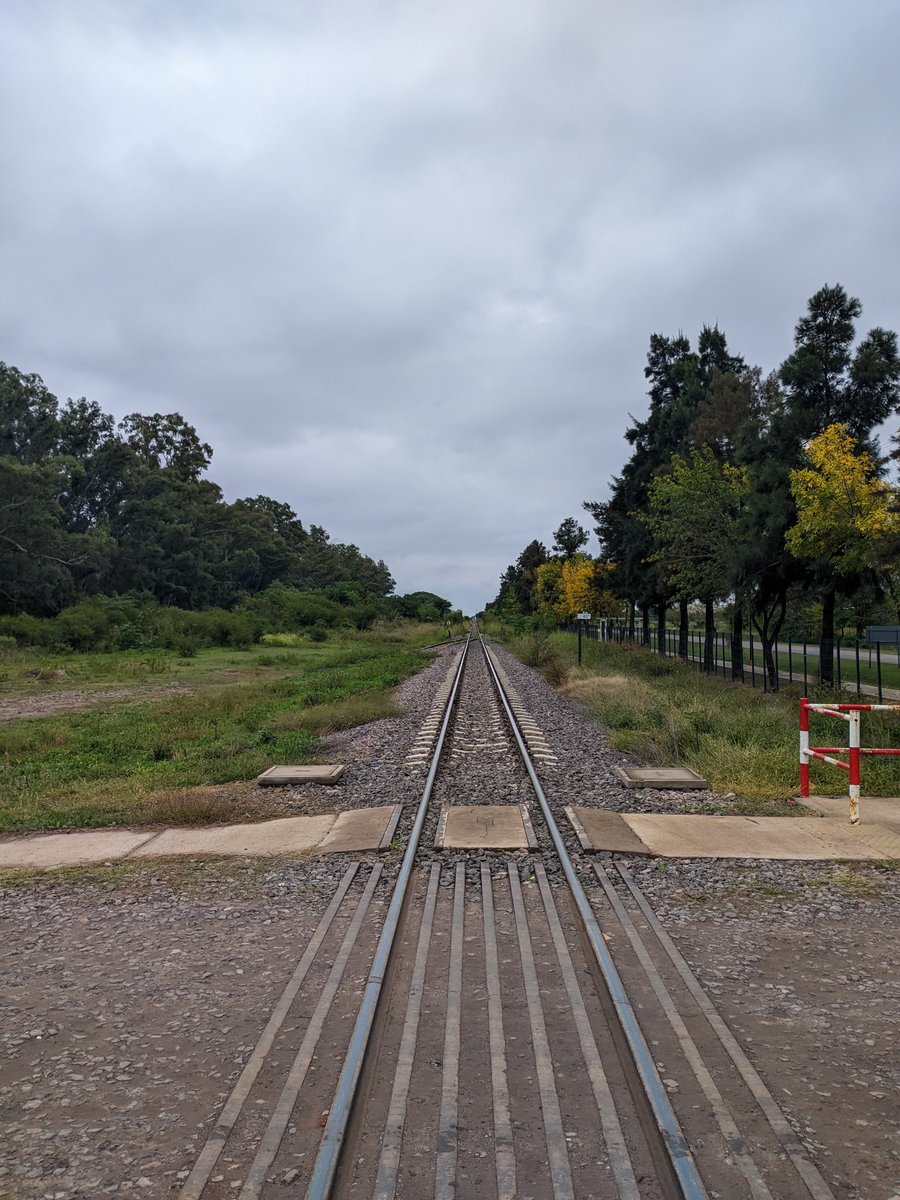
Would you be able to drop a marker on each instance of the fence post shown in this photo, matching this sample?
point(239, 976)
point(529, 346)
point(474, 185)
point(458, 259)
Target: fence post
point(858, 685)
point(854, 767)
point(752, 662)
point(838, 667)
point(878, 669)
point(805, 687)
point(790, 661)
point(804, 746)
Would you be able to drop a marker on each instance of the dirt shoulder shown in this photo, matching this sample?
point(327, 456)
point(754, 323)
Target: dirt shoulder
point(131, 999)
point(803, 961)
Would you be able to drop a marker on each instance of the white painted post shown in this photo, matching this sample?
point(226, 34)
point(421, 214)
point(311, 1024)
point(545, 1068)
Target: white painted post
point(854, 767)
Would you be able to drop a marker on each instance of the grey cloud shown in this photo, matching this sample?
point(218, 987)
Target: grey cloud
point(400, 263)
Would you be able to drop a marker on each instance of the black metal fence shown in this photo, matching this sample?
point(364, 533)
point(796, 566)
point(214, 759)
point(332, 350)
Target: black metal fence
point(798, 662)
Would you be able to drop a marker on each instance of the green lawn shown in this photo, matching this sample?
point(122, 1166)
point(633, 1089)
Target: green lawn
point(890, 672)
point(247, 711)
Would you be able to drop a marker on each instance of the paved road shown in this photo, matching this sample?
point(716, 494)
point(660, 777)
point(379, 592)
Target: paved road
point(888, 653)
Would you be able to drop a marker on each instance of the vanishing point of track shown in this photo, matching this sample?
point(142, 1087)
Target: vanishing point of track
point(466, 1029)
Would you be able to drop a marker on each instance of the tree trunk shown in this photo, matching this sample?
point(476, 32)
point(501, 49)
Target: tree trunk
point(737, 641)
point(709, 630)
point(768, 623)
point(683, 629)
point(661, 626)
point(631, 616)
point(826, 638)
point(645, 624)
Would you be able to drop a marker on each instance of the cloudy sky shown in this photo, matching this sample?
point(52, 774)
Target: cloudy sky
point(399, 262)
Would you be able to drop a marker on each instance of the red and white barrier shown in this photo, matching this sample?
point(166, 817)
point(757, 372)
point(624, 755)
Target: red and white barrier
point(851, 714)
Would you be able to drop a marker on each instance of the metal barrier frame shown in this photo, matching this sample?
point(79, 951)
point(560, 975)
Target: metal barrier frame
point(851, 714)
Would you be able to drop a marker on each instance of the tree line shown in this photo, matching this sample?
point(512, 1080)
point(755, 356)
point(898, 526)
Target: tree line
point(92, 508)
point(759, 491)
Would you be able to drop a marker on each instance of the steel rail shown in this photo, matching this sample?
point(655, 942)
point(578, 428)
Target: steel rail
point(682, 1162)
point(328, 1157)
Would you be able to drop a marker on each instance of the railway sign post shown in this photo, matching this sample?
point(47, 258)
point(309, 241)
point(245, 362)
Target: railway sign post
point(583, 618)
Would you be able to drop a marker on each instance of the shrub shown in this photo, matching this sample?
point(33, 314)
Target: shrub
point(555, 671)
point(185, 646)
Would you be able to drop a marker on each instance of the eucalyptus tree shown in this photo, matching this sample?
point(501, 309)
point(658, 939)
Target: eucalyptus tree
point(28, 416)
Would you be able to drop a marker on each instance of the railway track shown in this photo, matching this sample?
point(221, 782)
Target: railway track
point(477, 1025)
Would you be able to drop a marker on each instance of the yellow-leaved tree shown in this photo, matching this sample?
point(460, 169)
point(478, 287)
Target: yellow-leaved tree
point(577, 584)
point(845, 513)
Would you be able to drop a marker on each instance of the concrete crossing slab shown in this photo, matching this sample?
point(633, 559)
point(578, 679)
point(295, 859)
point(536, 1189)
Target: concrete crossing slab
point(879, 837)
point(75, 849)
point(287, 835)
point(362, 829)
point(485, 827)
point(600, 829)
point(877, 810)
point(693, 835)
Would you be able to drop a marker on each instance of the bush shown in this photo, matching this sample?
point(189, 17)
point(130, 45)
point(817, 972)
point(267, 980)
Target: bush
point(288, 609)
point(185, 646)
point(174, 628)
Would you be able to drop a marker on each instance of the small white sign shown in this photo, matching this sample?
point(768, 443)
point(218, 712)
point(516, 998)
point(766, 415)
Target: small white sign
point(584, 616)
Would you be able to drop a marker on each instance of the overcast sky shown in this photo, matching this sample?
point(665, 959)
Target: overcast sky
point(399, 263)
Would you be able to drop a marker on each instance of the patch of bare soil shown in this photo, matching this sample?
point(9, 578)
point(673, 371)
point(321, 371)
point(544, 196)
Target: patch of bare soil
point(243, 800)
point(129, 1010)
point(50, 704)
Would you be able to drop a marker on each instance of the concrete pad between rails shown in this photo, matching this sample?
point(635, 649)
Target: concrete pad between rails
point(363, 829)
point(485, 827)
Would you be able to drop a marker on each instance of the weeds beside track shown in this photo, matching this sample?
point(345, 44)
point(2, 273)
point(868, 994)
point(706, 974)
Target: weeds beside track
point(666, 712)
point(103, 766)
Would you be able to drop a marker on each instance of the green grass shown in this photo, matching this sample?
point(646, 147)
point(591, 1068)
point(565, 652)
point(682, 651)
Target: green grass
point(100, 767)
point(37, 672)
point(890, 673)
point(741, 740)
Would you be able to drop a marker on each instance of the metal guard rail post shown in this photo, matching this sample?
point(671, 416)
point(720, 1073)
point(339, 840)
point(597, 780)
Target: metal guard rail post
point(851, 714)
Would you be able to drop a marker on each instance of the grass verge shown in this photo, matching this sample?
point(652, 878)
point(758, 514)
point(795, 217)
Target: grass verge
point(125, 763)
point(741, 740)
